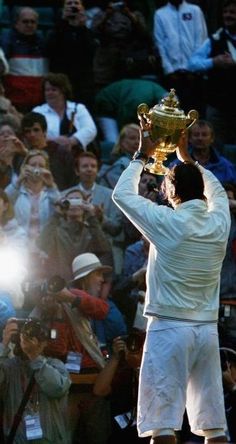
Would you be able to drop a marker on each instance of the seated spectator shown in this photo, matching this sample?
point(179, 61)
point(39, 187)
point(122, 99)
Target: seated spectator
point(125, 45)
point(215, 59)
point(34, 130)
point(12, 149)
point(86, 168)
point(24, 48)
point(68, 123)
point(73, 229)
point(201, 139)
point(116, 104)
point(34, 194)
point(13, 259)
point(122, 152)
point(46, 379)
point(6, 106)
point(70, 47)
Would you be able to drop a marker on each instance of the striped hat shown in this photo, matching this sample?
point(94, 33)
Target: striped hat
point(83, 264)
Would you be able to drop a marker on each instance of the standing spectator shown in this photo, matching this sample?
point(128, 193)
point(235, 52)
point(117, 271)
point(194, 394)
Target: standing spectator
point(116, 104)
point(73, 229)
point(68, 123)
point(34, 132)
point(121, 155)
point(25, 51)
point(13, 259)
point(216, 58)
point(179, 29)
point(46, 408)
point(12, 150)
point(125, 47)
point(71, 47)
point(86, 167)
point(34, 194)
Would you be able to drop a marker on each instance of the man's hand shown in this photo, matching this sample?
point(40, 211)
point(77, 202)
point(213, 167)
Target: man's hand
point(10, 330)
point(32, 347)
point(182, 148)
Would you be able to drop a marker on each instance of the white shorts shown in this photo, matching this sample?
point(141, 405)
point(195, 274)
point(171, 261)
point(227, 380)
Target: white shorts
point(180, 368)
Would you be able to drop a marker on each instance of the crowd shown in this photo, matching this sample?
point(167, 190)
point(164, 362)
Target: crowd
point(73, 263)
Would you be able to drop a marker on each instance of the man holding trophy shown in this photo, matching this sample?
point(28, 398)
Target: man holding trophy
point(181, 364)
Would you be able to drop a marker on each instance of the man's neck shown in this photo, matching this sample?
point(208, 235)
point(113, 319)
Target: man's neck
point(202, 156)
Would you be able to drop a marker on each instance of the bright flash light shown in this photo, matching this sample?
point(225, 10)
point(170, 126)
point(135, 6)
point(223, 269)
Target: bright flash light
point(12, 267)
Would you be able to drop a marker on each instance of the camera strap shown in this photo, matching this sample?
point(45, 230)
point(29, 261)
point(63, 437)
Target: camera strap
point(20, 411)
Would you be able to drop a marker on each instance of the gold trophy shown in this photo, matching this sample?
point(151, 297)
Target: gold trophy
point(167, 123)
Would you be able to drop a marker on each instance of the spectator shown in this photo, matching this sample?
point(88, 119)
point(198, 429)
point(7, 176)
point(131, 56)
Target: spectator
point(116, 104)
point(70, 313)
point(24, 49)
point(73, 229)
point(12, 150)
point(125, 147)
point(47, 402)
point(227, 314)
point(125, 45)
point(216, 58)
point(86, 168)
point(13, 259)
point(33, 195)
point(228, 365)
point(34, 131)
point(68, 123)
point(119, 380)
point(179, 29)
point(201, 138)
point(71, 48)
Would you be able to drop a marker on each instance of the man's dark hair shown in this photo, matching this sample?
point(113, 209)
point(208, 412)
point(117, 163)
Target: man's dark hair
point(31, 118)
point(228, 2)
point(187, 182)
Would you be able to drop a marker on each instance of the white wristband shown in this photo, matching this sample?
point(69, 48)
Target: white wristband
point(146, 134)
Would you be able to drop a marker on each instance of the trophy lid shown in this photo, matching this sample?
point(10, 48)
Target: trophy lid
point(169, 106)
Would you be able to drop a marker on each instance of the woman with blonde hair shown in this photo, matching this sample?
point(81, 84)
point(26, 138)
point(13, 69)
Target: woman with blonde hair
point(122, 152)
point(33, 193)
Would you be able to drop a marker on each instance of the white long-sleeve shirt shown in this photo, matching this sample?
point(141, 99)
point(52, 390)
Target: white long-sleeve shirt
point(178, 33)
point(84, 124)
point(187, 247)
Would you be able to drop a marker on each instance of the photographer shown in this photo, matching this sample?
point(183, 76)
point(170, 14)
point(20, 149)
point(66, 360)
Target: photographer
point(44, 415)
point(73, 315)
point(74, 229)
point(228, 365)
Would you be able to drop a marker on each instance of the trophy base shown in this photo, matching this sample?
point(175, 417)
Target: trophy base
point(156, 168)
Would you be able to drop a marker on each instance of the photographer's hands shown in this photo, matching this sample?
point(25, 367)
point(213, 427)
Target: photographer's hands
point(11, 328)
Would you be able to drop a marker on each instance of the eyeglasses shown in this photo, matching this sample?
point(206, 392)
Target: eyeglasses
point(29, 22)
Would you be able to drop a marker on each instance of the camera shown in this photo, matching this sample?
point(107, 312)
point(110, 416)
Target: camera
point(36, 172)
point(134, 341)
point(31, 328)
point(117, 5)
point(52, 285)
point(68, 203)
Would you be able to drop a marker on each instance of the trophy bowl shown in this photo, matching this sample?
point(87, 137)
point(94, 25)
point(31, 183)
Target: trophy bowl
point(168, 121)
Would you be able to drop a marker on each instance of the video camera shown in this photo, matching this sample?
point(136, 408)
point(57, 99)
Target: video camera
point(38, 290)
point(65, 204)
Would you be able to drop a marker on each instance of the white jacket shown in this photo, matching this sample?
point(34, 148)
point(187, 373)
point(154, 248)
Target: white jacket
point(187, 247)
